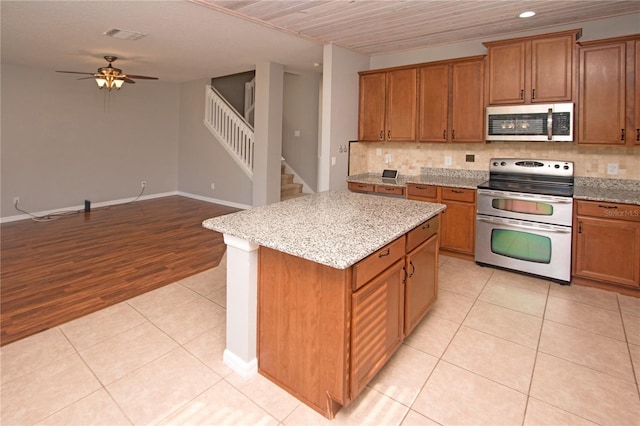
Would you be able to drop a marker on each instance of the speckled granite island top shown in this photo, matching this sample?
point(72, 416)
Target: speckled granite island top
point(333, 228)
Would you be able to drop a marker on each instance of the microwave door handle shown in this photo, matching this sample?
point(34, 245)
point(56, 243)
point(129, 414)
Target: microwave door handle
point(550, 124)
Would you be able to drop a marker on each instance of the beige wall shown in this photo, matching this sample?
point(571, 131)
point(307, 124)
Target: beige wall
point(408, 158)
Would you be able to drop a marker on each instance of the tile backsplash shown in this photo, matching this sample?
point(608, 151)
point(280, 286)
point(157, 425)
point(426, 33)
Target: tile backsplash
point(409, 157)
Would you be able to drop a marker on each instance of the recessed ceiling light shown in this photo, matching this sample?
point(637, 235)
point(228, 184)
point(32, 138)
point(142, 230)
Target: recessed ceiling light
point(527, 14)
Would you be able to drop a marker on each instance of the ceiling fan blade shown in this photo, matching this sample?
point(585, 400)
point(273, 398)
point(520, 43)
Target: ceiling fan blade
point(144, 77)
point(128, 80)
point(86, 78)
point(76, 72)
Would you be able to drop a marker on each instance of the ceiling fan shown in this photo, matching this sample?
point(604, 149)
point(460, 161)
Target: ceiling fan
point(110, 77)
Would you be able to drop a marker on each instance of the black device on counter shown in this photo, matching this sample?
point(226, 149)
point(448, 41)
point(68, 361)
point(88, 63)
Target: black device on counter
point(389, 176)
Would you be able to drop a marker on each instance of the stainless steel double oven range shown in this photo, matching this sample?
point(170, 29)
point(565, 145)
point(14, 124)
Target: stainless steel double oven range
point(524, 217)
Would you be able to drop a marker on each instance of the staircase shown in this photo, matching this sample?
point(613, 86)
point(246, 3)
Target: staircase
point(288, 188)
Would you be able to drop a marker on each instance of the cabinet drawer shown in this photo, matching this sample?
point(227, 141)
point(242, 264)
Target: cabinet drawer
point(364, 187)
point(383, 189)
point(604, 210)
point(459, 194)
point(418, 190)
point(377, 262)
point(418, 235)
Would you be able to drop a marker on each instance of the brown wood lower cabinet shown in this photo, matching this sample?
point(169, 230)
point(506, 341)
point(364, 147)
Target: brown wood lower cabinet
point(458, 232)
point(324, 333)
point(606, 245)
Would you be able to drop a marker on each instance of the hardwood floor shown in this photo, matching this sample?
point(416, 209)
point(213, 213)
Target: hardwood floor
point(53, 272)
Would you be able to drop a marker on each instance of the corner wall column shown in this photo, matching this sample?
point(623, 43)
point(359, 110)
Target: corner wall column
point(240, 353)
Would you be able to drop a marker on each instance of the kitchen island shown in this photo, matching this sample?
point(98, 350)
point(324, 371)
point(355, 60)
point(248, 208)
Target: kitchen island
point(322, 289)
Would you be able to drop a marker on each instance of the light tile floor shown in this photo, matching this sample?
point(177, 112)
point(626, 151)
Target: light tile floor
point(497, 348)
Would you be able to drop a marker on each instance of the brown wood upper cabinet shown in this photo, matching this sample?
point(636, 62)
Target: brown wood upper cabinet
point(451, 101)
point(537, 69)
point(388, 105)
point(608, 92)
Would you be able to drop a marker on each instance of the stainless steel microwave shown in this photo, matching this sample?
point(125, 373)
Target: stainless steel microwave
point(530, 123)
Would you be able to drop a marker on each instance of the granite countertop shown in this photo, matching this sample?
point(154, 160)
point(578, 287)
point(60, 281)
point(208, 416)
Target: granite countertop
point(333, 228)
point(624, 191)
point(468, 179)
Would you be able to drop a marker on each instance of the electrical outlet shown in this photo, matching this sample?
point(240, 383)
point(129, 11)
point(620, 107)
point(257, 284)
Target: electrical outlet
point(213, 185)
point(16, 200)
point(447, 160)
point(378, 152)
point(612, 169)
point(143, 184)
point(388, 158)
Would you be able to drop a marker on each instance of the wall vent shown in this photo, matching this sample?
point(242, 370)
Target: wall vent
point(124, 34)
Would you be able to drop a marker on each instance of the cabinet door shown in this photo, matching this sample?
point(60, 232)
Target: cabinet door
point(401, 105)
point(434, 103)
point(552, 69)
point(421, 288)
point(458, 227)
point(371, 115)
point(607, 250)
point(602, 91)
point(507, 73)
point(376, 325)
point(467, 102)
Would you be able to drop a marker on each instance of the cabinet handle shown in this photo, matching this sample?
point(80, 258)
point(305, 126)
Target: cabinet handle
point(389, 135)
point(362, 185)
point(444, 134)
point(453, 134)
point(413, 269)
point(621, 134)
point(457, 191)
point(384, 253)
point(579, 227)
point(427, 226)
point(533, 94)
point(638, 134)
point(521, 93)
point(381, 135)
point(607, 207)
point(389, 189)
point(421, 187)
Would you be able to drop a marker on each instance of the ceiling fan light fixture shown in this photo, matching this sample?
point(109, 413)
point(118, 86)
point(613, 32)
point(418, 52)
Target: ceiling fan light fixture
point(124, 34)
point(102, 82)
point(118, 83)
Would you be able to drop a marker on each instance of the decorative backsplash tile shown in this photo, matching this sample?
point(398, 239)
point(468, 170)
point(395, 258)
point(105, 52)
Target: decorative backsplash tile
point(409, 158)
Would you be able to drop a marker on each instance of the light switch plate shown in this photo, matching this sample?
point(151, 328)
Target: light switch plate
point(612, 169)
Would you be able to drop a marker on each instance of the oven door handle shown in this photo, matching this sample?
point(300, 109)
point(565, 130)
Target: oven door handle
point(525, 225)
point(540, 199)
point(550, 124)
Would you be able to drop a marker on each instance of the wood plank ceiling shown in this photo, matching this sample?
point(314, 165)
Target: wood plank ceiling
point(374, 27)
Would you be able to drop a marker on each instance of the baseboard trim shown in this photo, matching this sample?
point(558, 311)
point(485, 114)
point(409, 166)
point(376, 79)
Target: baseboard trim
point(80, 208)
point(245, 369)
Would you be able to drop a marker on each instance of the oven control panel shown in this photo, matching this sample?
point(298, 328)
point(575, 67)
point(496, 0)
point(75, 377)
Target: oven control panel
point(529, 166)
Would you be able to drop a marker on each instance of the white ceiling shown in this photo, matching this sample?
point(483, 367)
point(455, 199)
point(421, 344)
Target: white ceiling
point(188, 40)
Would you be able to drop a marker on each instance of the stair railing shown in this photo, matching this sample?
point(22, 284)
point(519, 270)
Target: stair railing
point(234, 133)
point(249, 99)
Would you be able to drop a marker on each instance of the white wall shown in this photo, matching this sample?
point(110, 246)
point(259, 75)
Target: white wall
point(339, 113)
point(201, 159)
point(591, 30)
point(59, 146)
